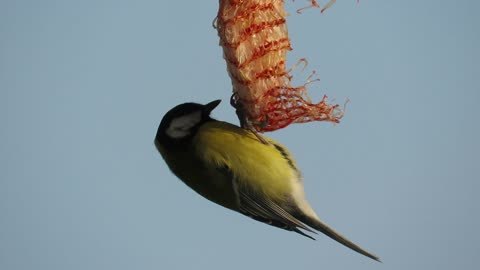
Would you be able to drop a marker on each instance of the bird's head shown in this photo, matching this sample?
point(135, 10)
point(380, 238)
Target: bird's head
point(182, 122)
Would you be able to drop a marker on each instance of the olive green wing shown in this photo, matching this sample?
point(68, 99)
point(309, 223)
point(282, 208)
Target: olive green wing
point(259, 207)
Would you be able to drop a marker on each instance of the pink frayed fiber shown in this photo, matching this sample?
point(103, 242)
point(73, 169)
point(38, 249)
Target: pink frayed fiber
point(254, 38)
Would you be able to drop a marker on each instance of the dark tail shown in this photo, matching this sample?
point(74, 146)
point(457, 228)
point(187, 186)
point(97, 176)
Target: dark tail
point(324, 228)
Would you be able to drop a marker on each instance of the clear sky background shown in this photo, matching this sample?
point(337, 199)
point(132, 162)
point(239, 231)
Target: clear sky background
point(84, 84)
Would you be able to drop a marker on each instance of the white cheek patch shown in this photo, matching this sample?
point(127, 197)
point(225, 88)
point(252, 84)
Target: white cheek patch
point(180, 127)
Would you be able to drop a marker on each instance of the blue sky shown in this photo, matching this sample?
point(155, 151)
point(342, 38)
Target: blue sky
point(84, 84)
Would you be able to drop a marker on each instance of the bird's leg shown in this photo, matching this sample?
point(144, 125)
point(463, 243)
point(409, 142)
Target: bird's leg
point(243, 119)
point(259, 137)
point(239, 110)
point(262, 124)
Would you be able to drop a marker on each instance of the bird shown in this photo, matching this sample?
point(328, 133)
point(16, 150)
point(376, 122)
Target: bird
point(230, 166)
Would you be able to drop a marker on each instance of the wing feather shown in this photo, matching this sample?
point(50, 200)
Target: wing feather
point(260, 208)
point(261, 175)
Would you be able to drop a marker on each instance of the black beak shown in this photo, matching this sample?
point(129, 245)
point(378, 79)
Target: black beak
point(208, 108)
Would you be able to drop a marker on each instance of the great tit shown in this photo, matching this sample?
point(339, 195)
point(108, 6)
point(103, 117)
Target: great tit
point(230, 166)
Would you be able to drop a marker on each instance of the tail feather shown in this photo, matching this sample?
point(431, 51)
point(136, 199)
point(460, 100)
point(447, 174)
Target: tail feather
point(325, 229)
